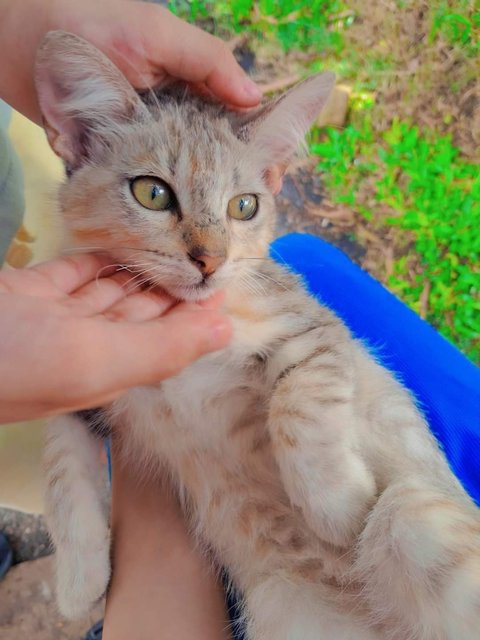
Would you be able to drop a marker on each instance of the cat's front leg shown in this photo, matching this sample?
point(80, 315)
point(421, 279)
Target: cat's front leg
point(76, 517)
point(313, 429)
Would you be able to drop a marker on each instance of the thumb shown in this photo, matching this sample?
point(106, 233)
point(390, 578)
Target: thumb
point(145, 353)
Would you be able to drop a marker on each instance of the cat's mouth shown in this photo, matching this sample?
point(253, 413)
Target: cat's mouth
point(180, 284)
point(191, 293)
point(183, 292)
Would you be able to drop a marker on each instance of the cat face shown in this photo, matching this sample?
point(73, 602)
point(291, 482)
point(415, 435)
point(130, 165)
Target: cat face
point(175, 198)
point(174, 187)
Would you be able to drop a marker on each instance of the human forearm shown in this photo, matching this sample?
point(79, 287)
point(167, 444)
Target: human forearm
point(22, 26)
point(162, 587)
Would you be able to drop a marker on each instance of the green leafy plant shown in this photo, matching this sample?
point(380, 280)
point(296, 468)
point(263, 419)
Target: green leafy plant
point(418, 183)
point(294, 24)
point(459, 23)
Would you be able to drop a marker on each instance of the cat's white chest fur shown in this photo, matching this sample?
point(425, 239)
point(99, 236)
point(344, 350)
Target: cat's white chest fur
point(212, 395)
point(199, 407)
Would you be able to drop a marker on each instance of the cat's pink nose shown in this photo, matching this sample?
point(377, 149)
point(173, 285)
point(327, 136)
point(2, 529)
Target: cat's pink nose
point(205, 263)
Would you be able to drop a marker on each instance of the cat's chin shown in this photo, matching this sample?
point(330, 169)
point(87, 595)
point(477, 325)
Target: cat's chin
point(194, 293)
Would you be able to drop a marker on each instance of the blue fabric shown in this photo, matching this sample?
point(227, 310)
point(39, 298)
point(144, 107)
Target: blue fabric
point(6, 556)
point(108, 451)
point(445, 383)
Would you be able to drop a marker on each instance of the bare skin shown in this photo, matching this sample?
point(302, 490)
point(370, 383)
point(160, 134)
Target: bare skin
point(162, 588)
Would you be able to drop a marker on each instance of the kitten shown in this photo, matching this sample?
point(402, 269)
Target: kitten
point(305, 465)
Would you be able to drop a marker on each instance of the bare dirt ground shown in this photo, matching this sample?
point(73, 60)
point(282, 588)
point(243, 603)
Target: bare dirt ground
point(27, 606)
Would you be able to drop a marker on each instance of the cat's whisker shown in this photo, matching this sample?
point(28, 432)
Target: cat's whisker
point(135, 285)
point(251, 285)
point(252, 277)
point(140, 249)
point(131, 264)
point(136, 277)
point(260, 275)
point(135, 280)
point(153, 269)
point(135, 268)
point(141, 283)
point(251, 258)
point(257, 286)
point(277, 282)
point(108, 266)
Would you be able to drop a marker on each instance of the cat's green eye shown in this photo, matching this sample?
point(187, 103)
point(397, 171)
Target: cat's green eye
point(243, 207)
point(152, 193)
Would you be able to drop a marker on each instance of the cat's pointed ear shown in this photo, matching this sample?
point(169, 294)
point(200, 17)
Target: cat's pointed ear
point(81, 94)
point(275, 130)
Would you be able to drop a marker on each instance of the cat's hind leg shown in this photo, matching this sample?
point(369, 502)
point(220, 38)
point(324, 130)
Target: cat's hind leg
point(76, 514)
point(279, 608)
point(419, 557)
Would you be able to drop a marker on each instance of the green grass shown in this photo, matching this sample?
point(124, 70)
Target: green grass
point(421, 185)
point(294, 24)
point(458, 23)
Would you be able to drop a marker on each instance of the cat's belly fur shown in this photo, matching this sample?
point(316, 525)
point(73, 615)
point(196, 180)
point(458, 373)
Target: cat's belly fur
point(218, 448)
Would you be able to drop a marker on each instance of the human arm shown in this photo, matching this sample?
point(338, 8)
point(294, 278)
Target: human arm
point(162, 586)
point(148, 43)
point(70, 340)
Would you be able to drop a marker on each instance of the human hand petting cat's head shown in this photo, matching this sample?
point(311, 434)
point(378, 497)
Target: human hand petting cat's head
point(151, 46)
point(146, 42)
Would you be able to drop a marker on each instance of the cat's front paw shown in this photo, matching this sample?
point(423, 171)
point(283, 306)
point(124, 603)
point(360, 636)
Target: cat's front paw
point(82, 579)
point(338, 512)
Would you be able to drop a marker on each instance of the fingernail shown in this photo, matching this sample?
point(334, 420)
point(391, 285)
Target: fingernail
point(251, 90)
point(221, 332)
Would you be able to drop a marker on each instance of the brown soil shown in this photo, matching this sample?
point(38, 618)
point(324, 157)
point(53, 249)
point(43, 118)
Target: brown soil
point(429, 81)
point(27, 606)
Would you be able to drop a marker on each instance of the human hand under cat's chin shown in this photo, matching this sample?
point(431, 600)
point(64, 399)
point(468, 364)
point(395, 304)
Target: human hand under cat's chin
point(74, 340)
point(146, 42)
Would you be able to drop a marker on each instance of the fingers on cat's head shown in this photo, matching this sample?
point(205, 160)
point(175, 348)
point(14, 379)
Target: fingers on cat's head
point(81, 95)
